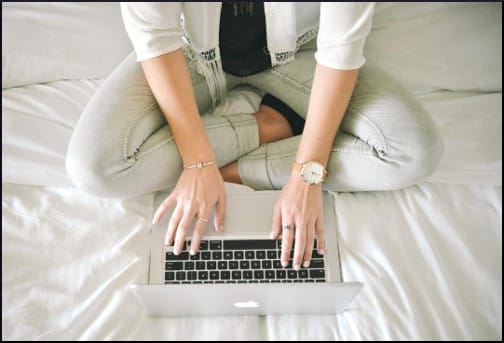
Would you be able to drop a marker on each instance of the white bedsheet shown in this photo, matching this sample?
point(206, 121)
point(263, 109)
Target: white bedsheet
point(430, 257)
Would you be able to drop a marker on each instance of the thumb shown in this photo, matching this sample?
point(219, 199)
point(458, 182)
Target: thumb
point(220, 213)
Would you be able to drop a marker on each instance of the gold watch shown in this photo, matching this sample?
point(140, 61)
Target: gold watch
point(311, 172)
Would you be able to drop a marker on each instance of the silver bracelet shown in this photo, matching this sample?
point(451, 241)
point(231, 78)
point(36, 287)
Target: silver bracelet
point(199, 165)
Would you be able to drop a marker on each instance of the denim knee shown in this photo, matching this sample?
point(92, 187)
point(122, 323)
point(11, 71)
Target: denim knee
point(423, 154)
point(87, 174)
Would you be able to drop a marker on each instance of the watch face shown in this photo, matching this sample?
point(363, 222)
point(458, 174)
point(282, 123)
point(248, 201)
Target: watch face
point(313, 173)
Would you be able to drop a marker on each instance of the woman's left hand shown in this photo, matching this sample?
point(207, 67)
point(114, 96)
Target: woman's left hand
point(298, 213)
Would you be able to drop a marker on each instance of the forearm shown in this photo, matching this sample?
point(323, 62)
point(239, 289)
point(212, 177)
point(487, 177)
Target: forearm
point(329, 99)
point(169, 79)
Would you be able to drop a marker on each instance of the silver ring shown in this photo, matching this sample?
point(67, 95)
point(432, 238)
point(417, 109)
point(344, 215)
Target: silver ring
point(202, 219)
point(286, 227)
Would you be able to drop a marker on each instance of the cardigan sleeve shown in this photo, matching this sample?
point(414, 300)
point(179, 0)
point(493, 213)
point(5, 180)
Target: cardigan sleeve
point(343, 29)
point(154, 28)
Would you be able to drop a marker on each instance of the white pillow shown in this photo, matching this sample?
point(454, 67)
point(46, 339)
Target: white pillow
point(432, 46)
point(44, 42)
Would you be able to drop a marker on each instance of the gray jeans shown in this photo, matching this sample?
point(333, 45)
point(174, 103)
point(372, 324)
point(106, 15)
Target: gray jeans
point(122, 146)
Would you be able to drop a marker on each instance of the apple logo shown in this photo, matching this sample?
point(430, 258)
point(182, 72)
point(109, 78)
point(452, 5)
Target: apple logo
point(247, 304)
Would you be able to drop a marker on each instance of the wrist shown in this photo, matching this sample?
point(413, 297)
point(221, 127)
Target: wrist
point(310, 172)
point(200, 165)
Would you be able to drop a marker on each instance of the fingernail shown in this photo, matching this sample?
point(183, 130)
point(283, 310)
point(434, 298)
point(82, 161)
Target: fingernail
point(284, 263)
point(176, 252)
point(192, 252)
point(272, 235)
point(221, 228)
point(321, 251)
point(296, 267)
point(306, 264)
point(154, 221)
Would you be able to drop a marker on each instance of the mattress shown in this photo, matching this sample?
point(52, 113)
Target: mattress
point(430, 255)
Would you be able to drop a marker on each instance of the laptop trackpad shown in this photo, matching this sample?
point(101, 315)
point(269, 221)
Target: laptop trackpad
point(248, 213)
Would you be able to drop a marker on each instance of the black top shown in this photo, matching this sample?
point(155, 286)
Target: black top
point(242, 38)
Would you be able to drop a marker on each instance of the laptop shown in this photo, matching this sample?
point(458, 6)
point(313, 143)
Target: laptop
point(238, 272)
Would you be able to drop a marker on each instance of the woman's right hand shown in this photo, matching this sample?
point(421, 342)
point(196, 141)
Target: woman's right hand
point(197, 191)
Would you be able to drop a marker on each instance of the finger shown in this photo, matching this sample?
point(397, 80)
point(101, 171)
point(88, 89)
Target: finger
point(276, 226)
point(173, 224)
point(168, 203)
point(287, 237)
point(220, 213)
point(199, 230)
point(310, 238)
point(299, 248)
point(319, 231)
point(182, 229)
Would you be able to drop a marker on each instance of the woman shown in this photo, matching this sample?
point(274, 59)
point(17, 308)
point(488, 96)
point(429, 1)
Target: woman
point(142, 131)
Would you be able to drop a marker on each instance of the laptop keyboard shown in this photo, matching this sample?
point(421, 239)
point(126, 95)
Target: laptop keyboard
point(239, 261)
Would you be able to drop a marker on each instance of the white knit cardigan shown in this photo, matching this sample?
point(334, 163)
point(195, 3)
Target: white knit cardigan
point(157, 28)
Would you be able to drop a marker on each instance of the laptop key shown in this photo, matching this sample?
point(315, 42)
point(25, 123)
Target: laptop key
point(225, 275)
point(238, 255)
point(203, 275)
point(249, 255)
point(281, 274)
point(303, 274)
point(236, 274)
point(170, 256)
point(266, 264)
point(247, 274)
point(277, 264)
point(244, 264)
point(247, 244)
point(256, 264)
point(272, 254)
point(169, 276)
point(317, 264)
point(222, 265)
point(214, 275)
point(205, 255)
point(260, 254)
point(192, 275)
point(258, 274)
point(270, 274)
point(174, 265)
point(180, 276)
point(228, 255)
point(317, 273)
point(233, 264)
point(292, 274)
point(211, 265)
point(215, 245)
point(200, 265)
point(203, 245)
point(216, 255)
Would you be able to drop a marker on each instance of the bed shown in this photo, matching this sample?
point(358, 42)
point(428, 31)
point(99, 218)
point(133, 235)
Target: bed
point(430, 255)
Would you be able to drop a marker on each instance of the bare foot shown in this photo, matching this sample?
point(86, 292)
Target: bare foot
point(272, 125)
point(230, 173)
